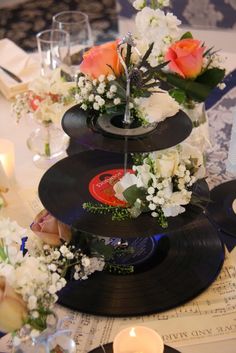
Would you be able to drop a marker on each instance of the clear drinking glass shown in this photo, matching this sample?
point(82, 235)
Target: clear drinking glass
point(53, 47)
point(76, 23)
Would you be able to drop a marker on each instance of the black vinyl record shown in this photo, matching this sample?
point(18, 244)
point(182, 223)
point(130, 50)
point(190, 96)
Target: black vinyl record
point(65, 187)
point(220, 210)
point(185, 263)
point(108, 348)
point(167, 133)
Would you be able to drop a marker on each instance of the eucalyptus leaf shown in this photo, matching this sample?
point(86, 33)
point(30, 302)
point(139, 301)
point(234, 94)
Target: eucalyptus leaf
point(133, 193)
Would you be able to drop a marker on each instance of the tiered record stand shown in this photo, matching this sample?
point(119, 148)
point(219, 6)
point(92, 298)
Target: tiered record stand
point(171, 266)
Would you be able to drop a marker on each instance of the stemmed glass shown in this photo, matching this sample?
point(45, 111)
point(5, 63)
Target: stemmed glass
point(53, 48)
point(76, 23)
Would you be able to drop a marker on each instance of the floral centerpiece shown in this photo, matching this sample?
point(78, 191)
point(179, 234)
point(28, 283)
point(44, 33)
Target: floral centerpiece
point(160, 183)
point(193, 69)
point(46, 99)
point(32, 271)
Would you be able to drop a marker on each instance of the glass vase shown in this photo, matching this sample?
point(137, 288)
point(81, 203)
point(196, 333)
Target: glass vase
point(54, 339)
point(48, 144)
point(199, 136)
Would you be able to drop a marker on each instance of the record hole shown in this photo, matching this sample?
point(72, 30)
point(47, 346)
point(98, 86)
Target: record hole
point(118, 121)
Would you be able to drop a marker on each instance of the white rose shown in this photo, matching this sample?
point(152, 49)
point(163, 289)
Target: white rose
point(158, 106)
point(167, 163)
point(172, 211)
point(180, 198)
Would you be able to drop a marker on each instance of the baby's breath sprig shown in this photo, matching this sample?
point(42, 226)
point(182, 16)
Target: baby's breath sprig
point(118, 213)
point(119, 269)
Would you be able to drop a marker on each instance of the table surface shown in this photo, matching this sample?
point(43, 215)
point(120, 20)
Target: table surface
point(27, 176)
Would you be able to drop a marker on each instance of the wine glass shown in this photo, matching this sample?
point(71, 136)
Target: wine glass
point(53, 48)
point(76, 23)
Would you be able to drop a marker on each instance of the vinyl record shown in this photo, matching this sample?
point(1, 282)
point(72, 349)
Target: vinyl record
point(167, 133)
point(222, 209)
point(65, 187)
point(107, 348)
point(185, 263)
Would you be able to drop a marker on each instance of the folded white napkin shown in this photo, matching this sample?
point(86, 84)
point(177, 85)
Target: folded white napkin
point(19, 63)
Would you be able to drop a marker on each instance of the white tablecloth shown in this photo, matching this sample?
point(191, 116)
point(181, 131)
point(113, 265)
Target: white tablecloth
point(27, 176)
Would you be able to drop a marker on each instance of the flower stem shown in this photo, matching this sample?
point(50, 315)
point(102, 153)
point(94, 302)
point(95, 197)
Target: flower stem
point(47, 149)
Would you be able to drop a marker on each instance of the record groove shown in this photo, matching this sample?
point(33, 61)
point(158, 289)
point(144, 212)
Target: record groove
point(108, 347)
point(193, 260)
point(220, 210)
point(64, 188)
point(168, 133)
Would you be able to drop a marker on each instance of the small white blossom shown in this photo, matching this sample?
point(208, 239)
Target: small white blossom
point(139, 4)
point(117, 101)
point(101, 78)
point(84, 106)
point(151, 190)
point(113, 89)
point(111, 77)
point(91, 98)
point(96, 106)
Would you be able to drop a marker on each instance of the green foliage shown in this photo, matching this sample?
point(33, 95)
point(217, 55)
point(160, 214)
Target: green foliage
point(138, 158)
point(187, 35)
point(211, 77)
point(178, 94)
point(132, 193)
point(39, 323)
point(117, 213)
point(119, 269)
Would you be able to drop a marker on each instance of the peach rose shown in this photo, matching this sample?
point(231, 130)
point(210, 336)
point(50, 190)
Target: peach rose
point(186, 57)
point(102, 60)
point(50, 230)
point(13, 310)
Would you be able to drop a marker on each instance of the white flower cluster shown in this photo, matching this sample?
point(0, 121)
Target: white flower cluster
point(167, 177)
point(88, 266)
point(47, 99)
point(38, 274)
point(140, 4)
point(158, 27)
point(96, 94)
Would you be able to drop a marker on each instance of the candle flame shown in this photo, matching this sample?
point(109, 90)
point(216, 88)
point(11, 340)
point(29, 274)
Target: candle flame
point(132, 332)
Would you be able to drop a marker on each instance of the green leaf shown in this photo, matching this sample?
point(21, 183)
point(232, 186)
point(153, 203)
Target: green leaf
point(178, 94)
point(186, 35)
point(99, 247)
point(211, 77)
point(194, 90)
point(133, 193)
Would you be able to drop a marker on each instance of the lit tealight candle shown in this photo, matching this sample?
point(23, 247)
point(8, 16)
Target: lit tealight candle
point(7, 161)
point(138, 339)
point(234, 206)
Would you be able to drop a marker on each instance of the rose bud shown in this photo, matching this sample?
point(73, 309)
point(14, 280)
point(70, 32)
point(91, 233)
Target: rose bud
point(186, 57)
point(102, 60)
point(13, 310)
point(50, 230)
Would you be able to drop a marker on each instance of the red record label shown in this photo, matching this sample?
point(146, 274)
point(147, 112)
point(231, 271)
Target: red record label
point(101, 186)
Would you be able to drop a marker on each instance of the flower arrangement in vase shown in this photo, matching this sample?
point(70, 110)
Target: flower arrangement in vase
point(46, 100)
point(32, 271)
point(193, 70)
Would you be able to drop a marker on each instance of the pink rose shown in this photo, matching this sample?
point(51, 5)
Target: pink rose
point(102, 60)
point(50, 230)
point(13, 310)
point(186, 57)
